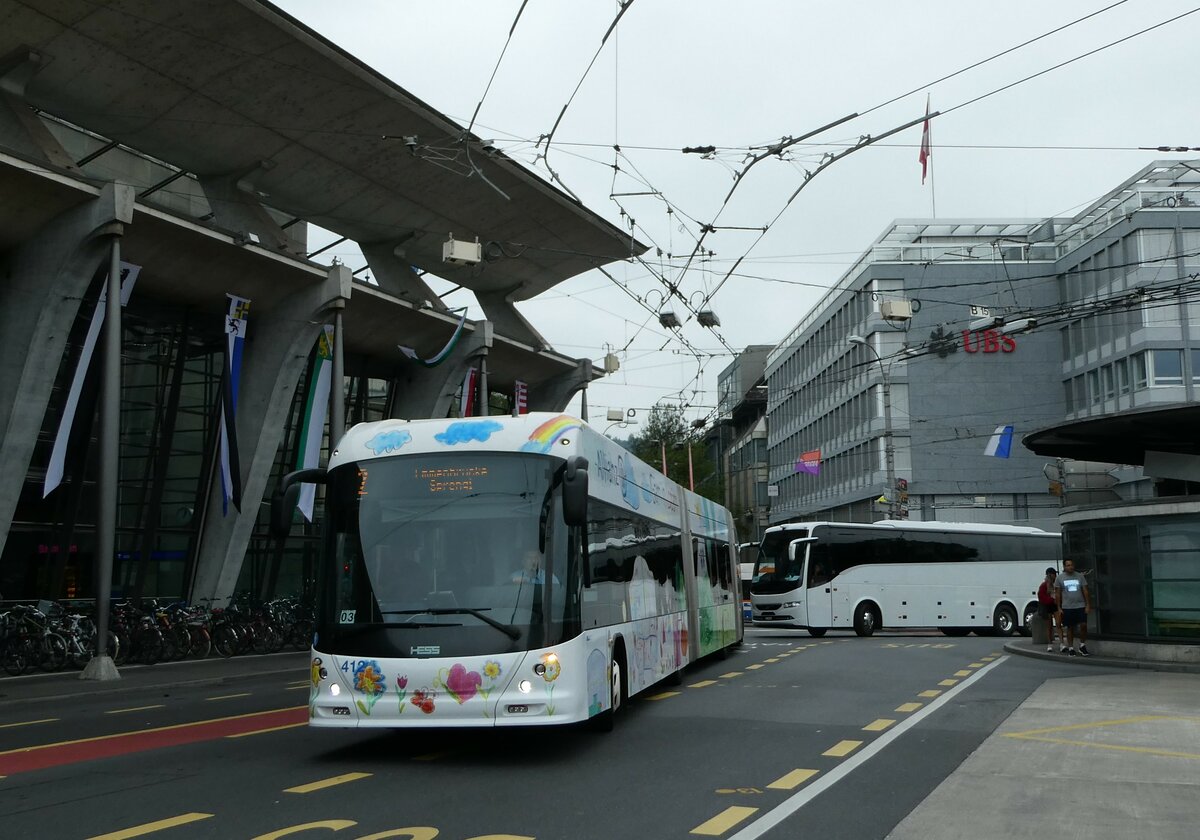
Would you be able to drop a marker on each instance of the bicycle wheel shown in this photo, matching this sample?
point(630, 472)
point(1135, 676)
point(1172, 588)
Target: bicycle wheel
point(225, 640)
point(148, 646)
point(12, 657)
point(201, 645)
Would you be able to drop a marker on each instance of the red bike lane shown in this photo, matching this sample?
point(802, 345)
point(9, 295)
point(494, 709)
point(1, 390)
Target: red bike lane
point(42, 756)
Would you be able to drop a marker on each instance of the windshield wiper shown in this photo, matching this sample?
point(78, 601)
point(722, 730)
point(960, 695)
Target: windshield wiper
point(506, 629)
point(387, 625)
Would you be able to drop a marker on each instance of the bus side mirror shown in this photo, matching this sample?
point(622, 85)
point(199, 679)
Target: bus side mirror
point(575, 491)
point(284, 499)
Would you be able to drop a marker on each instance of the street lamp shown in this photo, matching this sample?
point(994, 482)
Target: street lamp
point(889, 449)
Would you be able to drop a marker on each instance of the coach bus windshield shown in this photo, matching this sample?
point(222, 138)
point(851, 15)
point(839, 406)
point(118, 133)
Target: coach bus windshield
point(774, 572)
point(446, 554)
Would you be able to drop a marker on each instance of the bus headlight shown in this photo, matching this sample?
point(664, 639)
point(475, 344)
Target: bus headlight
point(525, 686)
point(791, 605)
point(335, 689)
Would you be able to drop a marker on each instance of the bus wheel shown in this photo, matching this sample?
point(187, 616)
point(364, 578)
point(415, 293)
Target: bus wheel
point(1004, 622)
point(866, 619)
point(603, 722)
point(1026, 628)
point(817, 632)
point(955, 631)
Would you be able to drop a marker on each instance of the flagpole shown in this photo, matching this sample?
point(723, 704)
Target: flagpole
point(932, 188)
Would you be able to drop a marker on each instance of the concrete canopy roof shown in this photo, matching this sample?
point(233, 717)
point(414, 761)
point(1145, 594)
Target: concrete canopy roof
point(1122, 438)
point(238, 88)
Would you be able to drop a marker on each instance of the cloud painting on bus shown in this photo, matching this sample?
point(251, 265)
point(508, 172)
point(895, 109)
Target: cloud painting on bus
point(388, 441)
point(468, 431)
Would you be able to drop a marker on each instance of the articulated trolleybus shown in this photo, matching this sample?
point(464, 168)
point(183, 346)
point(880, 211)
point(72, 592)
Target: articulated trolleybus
point(953, 576)
point(496, 571)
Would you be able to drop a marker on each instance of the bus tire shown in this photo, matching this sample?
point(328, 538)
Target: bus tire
point(866, 619)
point(603, 722)
point(955, 631)
point(1026, 628)
point(817, 632)
point(1004, 620)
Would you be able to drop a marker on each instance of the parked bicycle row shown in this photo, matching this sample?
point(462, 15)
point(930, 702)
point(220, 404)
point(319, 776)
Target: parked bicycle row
point(50, 636)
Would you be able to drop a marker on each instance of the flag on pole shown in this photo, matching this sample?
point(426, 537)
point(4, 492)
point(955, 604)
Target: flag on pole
point(810, 462)
point(1000, 444)
point(521, 397)
point(316, 409)
point(441, 355)
point(926, 146)
point(58, 455)
point(235, 339)
point(466, 404)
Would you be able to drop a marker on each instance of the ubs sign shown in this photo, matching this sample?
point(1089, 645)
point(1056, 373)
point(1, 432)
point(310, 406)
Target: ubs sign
point(987, 341)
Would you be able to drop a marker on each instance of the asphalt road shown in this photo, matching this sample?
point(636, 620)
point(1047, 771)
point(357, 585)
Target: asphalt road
point(788, 737)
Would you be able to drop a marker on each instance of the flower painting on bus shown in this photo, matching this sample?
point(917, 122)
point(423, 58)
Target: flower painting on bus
point(369, 679)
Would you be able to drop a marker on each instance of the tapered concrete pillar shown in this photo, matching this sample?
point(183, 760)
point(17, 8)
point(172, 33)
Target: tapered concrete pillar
point(41, 285)
point(553, 394)
point(278, 343)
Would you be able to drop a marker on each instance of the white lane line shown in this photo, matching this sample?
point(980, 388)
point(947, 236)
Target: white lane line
point(798, 800)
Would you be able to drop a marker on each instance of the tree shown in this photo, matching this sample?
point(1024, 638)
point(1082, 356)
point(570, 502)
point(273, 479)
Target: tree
point(667, 428)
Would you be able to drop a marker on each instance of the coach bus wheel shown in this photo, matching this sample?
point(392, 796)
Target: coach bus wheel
point(1004, 622)
point(817, 632)
point(866, 619)
point(603, 722)
point(1026, 628)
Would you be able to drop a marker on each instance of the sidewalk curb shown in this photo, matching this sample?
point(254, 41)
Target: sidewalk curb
point(1022, 648)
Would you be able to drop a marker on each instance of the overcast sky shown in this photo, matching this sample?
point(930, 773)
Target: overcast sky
point(742, 75)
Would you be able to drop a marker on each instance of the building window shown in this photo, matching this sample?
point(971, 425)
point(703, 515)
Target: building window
point(1167, 367)
point(1122, 366)
point(1093, 381)
point(1068, 392)
point(1196, 365)
point(1138, 360)
point(1109, 380)
point(1080, 393)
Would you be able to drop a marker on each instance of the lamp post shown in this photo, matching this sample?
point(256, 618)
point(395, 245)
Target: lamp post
point(889, 449)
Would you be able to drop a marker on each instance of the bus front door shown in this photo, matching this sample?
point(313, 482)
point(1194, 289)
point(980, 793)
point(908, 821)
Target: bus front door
point(817, 582)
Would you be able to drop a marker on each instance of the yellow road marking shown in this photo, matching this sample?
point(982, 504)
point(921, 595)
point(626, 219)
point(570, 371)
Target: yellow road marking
point(1143, 750)
point(702, 683)
point(664, 695)
point(724, 821)
point(27, 723)
point(754, 667)
point(327, 783)
point(962, 673)
point(155, 729)
point(269, 729)
point(792, 780)
point(229, 696)
point(909, 707)
point(773, 659)
point(332, 825)
point(933, 692)
point(948, 682)
point(731, 675)
point(301, 682)
point(150, 828)
point(842, 748)
point(878, 725)
point(134, 709)
point(1099, 723)
point(297, 687)
point(975, 665)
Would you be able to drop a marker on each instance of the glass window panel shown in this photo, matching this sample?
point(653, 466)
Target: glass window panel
point(1168, 367)
point(1139, 370)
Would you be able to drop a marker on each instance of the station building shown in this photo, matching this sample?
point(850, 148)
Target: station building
point(203, 143)
point(1081, 333)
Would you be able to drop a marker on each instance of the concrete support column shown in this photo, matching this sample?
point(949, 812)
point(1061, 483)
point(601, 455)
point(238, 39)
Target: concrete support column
point(278, 344)
point(553, 394)
point(41, 285)
point(429, 392)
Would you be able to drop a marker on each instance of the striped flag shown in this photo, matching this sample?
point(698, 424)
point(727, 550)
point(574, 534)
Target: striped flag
point(810, 462)
point(1000, 444)
point(466, 405)
point(58, 455)
point(235, 339)
point(441, 355)
point(316, 409)
point(521, 396)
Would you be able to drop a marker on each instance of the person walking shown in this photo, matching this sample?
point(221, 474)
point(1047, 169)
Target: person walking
point(1048, 609)
point(1074, 604)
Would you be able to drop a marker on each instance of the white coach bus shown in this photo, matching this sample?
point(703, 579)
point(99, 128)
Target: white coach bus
point(495, 571)
point(953, 576)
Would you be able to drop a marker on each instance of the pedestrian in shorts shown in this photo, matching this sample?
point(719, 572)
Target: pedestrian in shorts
point(1074, 603)
point(1048, 609)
